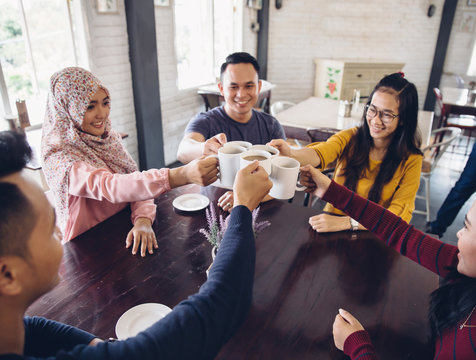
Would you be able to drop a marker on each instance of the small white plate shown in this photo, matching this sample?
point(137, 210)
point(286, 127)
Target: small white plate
point(191, 202)
point(139, 318)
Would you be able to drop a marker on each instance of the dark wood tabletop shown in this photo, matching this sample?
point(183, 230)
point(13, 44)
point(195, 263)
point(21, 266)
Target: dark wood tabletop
point(301, 280)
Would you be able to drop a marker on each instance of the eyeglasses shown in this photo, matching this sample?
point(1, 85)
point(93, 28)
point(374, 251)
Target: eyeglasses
point(385, 116)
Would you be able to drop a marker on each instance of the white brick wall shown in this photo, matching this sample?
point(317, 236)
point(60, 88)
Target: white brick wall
point(369, 29)
point(300, 31)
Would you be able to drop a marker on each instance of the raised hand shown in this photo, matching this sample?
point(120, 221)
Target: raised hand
point(314, 180)
point(282, 146)
point(212, 145)
point(251, 186)
point(202, 171)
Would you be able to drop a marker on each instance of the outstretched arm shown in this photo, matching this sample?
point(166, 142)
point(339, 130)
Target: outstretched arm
point(198, 327)
point(194, 145)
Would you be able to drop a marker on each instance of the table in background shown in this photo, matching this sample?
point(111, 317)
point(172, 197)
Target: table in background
point(301, 280)
point(212, 97)
point(318, 112)
point(455, 101)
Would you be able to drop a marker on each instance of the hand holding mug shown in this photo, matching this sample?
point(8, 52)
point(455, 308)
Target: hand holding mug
point(282, 146)
point(314, 180)
point(212, 145)
point(251, 186)
point(202, 171)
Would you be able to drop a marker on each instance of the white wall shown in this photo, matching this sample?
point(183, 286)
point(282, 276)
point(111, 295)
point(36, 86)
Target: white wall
point(300, 31)
point(460, 47)
point(390, 30)
point(179, 106)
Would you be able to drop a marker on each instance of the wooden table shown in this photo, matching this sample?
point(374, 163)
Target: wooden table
point(301, 280)
point(319, 112)
point(212, 97)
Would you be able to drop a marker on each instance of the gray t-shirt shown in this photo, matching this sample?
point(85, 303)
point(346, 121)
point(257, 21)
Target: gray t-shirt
point(261, 128)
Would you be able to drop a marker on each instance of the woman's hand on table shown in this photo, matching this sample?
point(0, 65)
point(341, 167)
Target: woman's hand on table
point(226, 201)
point(344, 325)
point(142, 235)
point(329, 223)
point(251, 185)
point(314, 180)
point(282, 146)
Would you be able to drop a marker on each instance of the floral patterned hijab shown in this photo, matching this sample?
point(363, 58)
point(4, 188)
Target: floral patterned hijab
point(64, 143)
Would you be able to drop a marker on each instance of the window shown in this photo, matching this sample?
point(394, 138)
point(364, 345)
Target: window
point(205, 33)
point(37, 38)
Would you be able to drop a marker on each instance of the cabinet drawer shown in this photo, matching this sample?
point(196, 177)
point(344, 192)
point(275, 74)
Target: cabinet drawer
point(357, 75)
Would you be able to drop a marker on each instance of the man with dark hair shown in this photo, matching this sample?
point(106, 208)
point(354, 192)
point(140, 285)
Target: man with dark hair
point(236, 120)
point(30, 255)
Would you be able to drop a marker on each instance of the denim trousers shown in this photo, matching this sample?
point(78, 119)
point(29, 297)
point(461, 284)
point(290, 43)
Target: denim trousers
point(459, 194)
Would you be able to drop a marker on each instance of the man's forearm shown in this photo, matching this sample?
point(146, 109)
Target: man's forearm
point(189, 150)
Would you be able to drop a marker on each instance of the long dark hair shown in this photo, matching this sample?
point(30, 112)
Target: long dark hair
point(406, 139)
point(452, 302)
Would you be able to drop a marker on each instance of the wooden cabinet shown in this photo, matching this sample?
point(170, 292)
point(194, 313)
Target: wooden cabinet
point(337, 79)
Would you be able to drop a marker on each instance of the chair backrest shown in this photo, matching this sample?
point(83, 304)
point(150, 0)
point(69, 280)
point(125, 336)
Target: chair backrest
point(443, 138)
point(279, 106)
point(321, 134)
point(459, 81)
point(439, 98)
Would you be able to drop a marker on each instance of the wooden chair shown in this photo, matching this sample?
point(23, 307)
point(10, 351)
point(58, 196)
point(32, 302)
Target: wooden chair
point(463, 122)
point(432, 154)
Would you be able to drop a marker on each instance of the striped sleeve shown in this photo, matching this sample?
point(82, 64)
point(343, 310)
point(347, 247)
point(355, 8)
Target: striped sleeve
point(359, 347)
point(398, 234)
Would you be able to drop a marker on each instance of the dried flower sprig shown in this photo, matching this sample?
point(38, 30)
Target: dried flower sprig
point(217, 226)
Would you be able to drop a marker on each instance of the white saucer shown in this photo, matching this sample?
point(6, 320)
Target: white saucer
point(139, 318)
point(191, 202)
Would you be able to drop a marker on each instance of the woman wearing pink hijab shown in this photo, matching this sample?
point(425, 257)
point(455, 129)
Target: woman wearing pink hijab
point(89, 171)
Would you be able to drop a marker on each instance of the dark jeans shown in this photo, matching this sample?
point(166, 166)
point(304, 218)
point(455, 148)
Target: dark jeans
point(462, 191)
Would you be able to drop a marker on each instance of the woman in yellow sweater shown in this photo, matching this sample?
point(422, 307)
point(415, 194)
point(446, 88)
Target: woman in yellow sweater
point(379, 160)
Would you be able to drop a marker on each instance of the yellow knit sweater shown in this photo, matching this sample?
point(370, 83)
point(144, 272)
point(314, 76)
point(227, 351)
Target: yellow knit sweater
point(398, 195)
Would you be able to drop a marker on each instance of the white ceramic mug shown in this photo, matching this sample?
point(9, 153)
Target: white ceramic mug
point(263, 157)
point(247, 145)
point(284, 176)
point(272, 150)
point(229, 163)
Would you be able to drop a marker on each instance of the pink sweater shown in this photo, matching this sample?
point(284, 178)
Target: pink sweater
point(421, 248)
point(97, 194)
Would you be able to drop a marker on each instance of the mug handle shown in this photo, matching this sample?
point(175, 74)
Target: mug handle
point(299, 187)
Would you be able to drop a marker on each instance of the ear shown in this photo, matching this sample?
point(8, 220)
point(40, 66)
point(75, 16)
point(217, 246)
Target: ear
point(10, 284)
point(259, 85)
point(220, 87)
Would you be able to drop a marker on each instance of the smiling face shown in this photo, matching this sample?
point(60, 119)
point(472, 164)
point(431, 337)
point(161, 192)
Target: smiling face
point(97, 113)
point(240, 88)
point(467, 244)
point(386, 103)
